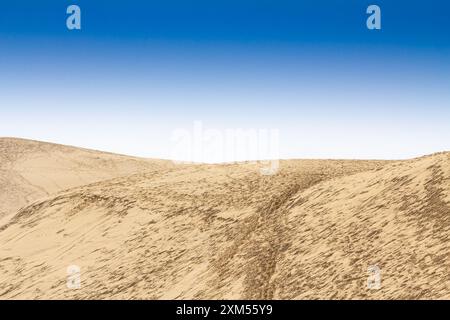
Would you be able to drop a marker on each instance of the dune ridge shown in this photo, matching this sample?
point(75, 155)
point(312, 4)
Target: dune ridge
point(227, 232)
point(30, 170)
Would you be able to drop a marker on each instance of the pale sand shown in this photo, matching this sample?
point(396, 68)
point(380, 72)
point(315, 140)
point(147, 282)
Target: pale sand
point(161, 231)
point(30, 170)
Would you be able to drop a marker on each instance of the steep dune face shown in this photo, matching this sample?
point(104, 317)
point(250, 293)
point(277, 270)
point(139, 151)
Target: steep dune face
point(189, 232)
point(226, 231)
point(30, 170)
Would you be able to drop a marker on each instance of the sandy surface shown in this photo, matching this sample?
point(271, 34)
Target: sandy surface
point(225, 231)
point(30, 170)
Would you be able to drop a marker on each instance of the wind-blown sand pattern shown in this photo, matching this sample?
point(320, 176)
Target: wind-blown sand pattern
point(30, 170)
point(147, 229)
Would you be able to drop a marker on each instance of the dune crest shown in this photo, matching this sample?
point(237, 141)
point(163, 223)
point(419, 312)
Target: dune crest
point(228, 232)
point(30, 170)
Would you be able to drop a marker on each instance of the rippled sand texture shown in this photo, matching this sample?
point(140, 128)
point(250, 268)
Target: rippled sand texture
point(30, 170)
point(147, 229)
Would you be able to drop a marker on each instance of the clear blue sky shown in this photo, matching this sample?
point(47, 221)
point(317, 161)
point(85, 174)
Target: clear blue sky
point(138, 70)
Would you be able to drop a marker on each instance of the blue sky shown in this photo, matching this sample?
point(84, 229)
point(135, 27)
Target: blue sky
point(138, 70)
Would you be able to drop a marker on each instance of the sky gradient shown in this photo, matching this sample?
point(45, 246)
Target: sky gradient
point(138, 70)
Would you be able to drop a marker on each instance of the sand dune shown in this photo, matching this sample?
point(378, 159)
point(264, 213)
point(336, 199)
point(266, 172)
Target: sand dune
point(30, 170)
point(226, 231)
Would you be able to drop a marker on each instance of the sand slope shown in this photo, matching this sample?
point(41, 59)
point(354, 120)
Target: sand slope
point(397, 217)
point(30, 170)
point(226, 231)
